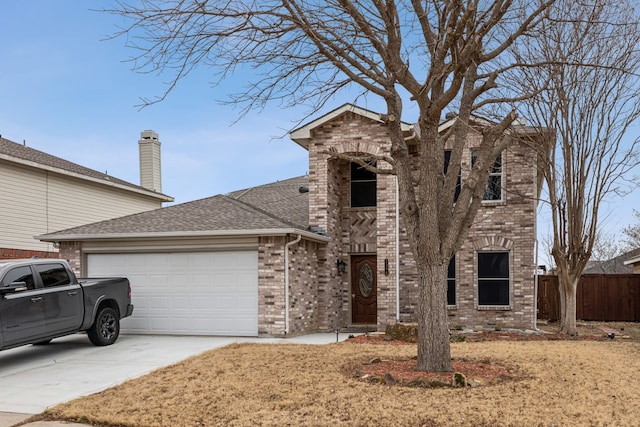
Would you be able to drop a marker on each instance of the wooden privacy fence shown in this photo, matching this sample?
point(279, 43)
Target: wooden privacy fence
point(603, 297)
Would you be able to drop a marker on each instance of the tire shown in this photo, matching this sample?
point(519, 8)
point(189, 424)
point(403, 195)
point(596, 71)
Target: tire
point(105, 328)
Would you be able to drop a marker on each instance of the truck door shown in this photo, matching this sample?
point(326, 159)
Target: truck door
point(21, 313)
point(62, 297)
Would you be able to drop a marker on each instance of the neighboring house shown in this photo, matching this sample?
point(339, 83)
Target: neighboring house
point(634, 262)
point(317, 253)
point(42, 193)
point(622, 264)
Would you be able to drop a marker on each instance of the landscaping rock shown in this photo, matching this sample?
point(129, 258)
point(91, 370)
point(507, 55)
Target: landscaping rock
point(418, 382)
point(402, 331)
point(459, 380)
point(389, 380)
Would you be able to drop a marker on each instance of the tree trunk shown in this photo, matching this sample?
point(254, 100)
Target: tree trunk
point(434, 353)
point(568, 290)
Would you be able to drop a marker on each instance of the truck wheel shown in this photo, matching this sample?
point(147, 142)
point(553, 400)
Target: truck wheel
point(106, 328)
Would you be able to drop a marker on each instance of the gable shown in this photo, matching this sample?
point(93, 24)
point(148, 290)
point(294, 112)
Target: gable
point(303, 135)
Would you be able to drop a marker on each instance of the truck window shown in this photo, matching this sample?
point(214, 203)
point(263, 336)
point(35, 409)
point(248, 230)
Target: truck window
point(53, 275)
point(19, 274)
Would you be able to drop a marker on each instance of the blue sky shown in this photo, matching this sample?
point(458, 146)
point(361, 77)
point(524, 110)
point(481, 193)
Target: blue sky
point(68, 91)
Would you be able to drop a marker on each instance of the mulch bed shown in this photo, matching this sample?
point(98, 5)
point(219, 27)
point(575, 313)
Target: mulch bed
point(476, 373)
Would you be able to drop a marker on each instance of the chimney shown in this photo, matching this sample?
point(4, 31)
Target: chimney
point(150, 174)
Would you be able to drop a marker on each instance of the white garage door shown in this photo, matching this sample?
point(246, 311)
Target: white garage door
point(195, 293)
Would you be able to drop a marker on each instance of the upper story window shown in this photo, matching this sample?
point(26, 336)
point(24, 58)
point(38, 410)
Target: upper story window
point(494, 185)
point(363, 186)
point(493, 278)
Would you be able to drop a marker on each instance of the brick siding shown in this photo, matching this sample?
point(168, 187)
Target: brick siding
point(7, 253)
point(507, 225)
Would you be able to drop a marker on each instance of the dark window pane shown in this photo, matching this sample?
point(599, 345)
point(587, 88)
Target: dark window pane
point(358, 173)
point(451, 282)
point(451, 269)
point(494, 188)
point(53, 275)
point(494, 185)
point(493, 265)
point(19, 274)
point(363, 194)
point(493, 278)
point(363, 186)
point(493, 292)
point(451, 292)
point(497, 166)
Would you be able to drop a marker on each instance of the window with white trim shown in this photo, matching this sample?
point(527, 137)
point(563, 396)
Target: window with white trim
point(494, 185)
point(493, 278)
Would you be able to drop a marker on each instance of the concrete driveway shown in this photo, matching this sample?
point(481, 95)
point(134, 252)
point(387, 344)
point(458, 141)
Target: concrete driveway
point(33, 378)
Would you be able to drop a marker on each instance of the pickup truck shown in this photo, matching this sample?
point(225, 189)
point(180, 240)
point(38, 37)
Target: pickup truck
point(41, 299)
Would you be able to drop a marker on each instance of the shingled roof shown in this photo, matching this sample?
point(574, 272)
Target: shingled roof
point(614, 265)
point(282, 199)
point(266, 209)
point(19, 153)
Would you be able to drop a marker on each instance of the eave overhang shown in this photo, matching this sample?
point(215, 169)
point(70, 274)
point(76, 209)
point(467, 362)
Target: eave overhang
point(308, 235)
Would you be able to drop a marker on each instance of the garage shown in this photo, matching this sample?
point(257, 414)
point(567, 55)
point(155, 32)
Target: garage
point(190, 293)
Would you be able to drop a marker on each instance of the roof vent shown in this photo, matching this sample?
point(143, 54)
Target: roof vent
point(303, 189)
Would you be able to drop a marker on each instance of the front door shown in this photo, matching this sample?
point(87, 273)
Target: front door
point(364, 288)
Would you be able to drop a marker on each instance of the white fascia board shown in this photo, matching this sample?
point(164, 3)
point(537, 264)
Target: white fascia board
point(302, 135)
point(632, 261)
point(177, 234)
point(59, 171)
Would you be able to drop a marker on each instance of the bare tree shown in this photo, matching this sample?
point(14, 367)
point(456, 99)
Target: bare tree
point(590, 95)
point(632, 234)
point(435, 54)
point(605, 248)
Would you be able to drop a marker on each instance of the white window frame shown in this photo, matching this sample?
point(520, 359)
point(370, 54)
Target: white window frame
point(492, 174)
point(509, 279)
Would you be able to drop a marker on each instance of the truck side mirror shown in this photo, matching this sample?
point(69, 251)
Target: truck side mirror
point(13, 288)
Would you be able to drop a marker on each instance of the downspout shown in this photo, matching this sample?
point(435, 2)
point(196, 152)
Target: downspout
point(286, 281)
point(397, 252)
point(535, 289)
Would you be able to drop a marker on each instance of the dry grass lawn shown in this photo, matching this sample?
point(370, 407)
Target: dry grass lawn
point(555, 383)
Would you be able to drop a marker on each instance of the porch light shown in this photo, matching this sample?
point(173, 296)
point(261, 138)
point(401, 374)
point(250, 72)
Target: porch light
point(341, 265)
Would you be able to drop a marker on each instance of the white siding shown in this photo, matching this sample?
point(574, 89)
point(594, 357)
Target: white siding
point(35, 202)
